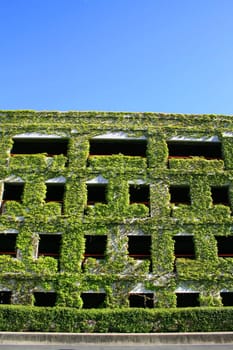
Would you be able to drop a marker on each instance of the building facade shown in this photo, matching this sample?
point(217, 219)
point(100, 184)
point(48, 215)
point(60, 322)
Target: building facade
point(116, 209)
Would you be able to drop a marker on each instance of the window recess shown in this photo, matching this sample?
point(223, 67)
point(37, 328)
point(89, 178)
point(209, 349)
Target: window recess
point(8, 244)
point(95, 246)
point(139, 248)
point(127, 147)
point(187, 299)
point(139, 194)
point(55, 193)
point(143, 300)
point(225, 246)
point(220, 195)
point(5, 297)
point(184, 247)
point(50, 146)
point(227, 298)
point(93, 300)
point(180, 194)
point(49, 245)
point(96, 193)
point(188, 149)
point(45, 299)
point(12, 192)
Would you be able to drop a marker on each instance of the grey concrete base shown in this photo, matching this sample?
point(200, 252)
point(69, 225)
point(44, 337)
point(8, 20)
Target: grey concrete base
point(116, 338)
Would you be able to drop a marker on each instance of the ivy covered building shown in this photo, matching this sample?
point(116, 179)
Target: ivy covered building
point(116, 209)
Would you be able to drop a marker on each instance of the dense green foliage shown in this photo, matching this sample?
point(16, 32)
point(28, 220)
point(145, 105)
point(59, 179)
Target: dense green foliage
point(118, 274)
point(24, 318)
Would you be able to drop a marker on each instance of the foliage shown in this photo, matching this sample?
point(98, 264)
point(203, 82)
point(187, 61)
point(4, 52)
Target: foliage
point(117, 274)
point(58, 319)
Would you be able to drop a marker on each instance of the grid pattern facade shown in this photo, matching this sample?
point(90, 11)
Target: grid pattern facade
point(116, 210)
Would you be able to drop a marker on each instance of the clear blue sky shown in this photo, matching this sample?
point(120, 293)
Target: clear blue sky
point(117, 55)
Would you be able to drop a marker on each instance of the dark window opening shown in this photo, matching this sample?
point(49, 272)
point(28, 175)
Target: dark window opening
point(227, 298)
point(45, 299)
point(55, 193)
point(139, 248)
point(225, 246)
point(33, 146)
point(187, 299)
point(126, 147)
point(49, 245)
point(145, 300)
point(5, 297)
point(184, 247)
point(95, 246)
point(220, 195)
point(180, 194)
point(139, 194)
point(185, 149)
point(13, 191)
point(96, 193)
point(8, 244)
point(93, 300)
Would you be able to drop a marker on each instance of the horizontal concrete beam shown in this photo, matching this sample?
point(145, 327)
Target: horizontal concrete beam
point(116, 338)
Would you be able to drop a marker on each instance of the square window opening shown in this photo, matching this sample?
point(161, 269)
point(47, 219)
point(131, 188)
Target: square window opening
point(139, 194)
point(49, 146)
point(93, 300)
point(54, 192)
point(225, 246)
point(13, 191)
point(95, 246)
point(139, 247)
point(142, 300)
point(106, 147)
point(45, 299)
point(49, 245)
point(187, 300)
point(8, 244)
point(227, 298)
point(220, 195)
point(5, 297)
point(96, 193)
point(180, 194)
point(184, 247)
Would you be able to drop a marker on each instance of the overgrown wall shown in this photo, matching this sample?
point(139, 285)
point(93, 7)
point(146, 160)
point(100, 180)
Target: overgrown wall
point(118, 274)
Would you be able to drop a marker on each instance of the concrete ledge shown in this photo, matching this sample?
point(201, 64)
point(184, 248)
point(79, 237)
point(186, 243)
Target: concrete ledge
point(116, 338)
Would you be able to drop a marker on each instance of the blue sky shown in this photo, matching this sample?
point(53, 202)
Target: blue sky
point(117, 55)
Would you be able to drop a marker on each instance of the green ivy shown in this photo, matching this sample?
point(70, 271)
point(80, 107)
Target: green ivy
point(118, 274)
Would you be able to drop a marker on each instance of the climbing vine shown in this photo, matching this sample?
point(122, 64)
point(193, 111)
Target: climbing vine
point(117, 218)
